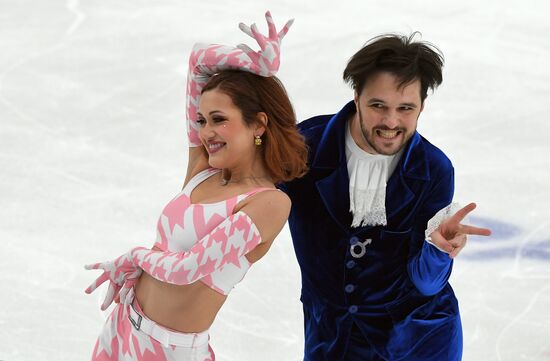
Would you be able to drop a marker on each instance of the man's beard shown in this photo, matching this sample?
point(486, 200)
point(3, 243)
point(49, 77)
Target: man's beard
point(368, 137)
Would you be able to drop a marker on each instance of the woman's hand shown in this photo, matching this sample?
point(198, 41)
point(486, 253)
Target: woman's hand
point(267, 60)
point(121, 273)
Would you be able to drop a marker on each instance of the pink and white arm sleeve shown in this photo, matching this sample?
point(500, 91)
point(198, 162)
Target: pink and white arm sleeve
point(233, 238)
point(208, 59)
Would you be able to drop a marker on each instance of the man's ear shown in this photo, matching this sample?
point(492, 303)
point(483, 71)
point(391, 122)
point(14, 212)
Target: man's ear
point(356, 99)
point(262, 123)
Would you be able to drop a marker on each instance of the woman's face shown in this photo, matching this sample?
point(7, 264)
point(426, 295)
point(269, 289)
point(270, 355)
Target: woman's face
point(223, 132)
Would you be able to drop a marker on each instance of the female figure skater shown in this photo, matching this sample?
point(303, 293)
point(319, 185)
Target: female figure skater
point(243, 138)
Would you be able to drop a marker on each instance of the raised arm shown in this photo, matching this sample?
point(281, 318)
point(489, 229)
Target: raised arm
point(430, 268)
point(208, 59)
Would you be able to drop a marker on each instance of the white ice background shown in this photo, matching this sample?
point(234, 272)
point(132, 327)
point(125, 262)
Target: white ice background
point(92, 145)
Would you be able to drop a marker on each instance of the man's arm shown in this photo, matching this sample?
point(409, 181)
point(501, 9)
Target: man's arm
point(431, 255)
point(430, 268)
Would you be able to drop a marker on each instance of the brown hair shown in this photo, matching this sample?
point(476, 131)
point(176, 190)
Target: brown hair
point(400, 55)
point(284, 149)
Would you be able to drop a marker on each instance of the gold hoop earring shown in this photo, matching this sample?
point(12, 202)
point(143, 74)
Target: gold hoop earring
point(257, 140)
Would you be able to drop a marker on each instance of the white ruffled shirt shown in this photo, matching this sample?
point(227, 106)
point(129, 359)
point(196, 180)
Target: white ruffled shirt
point(368, 177)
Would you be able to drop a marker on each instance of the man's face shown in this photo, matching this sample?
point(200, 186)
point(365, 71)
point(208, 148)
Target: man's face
point(386, 115)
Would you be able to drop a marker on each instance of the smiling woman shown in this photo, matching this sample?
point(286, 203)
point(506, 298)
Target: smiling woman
point(243, 139)
point(255, 108)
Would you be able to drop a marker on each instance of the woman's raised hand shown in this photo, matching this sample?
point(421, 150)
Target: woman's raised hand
point(266, 61)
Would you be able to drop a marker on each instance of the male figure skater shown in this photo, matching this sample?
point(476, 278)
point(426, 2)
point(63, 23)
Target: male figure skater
point(371, 222)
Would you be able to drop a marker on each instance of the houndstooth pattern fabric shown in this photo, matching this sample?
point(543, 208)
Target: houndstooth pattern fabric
point(205, 242)
point(121, 341)
point(208, 59)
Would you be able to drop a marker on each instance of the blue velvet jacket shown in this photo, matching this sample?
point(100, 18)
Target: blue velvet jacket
point(397, 293)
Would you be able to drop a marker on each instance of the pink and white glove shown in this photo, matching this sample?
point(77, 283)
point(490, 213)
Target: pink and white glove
point(206, 60)
point(266, 61)
point(121, 273)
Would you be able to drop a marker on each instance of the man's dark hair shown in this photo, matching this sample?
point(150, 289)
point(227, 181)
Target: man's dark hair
point(399, 55)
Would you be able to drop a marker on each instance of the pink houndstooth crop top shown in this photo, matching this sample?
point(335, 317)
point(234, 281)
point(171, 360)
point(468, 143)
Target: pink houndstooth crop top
point(182, 223)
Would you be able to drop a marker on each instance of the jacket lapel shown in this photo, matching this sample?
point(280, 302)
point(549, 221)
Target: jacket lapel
point(331, 157)
point(334, 191)
point(413, 166)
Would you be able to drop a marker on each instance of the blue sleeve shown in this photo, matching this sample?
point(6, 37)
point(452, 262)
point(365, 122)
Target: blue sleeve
point(429, 268)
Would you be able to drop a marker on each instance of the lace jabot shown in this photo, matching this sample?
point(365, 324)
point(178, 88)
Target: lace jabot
point(368, 175)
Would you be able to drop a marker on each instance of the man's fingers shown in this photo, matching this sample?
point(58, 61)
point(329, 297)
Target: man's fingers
point(463, 212)
point(457, 250)
point(452, 246)
point(441, 243)
point(475, 230)
point(458, 241)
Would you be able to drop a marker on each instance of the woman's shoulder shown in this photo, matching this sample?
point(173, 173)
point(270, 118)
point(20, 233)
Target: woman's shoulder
point(267, 202)
point(269, 211)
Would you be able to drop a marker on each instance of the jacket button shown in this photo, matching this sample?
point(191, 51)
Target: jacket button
point(350, 264)
point(354, 240)
point(349, 288)
point(352, 309)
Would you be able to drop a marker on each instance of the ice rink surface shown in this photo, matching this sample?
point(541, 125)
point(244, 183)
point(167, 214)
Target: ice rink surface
point(92, 145)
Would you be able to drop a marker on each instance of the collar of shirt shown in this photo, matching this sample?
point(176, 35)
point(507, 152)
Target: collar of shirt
point(368, 176)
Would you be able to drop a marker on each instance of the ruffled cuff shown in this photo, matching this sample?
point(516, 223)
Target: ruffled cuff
point(439, 218)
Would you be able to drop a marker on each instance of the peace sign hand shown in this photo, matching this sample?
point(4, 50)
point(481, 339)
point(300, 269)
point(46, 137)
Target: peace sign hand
point(451, 235)
point(266, 61)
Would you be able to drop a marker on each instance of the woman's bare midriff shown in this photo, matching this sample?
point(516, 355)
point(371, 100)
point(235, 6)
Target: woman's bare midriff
point(188, 308)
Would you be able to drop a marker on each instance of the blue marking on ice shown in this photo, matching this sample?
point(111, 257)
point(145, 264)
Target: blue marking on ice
point(500, 230)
